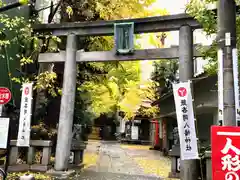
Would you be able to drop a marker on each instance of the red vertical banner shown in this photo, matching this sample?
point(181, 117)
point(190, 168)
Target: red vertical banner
point(156, 133)
point(225, 152)
point(164, 133)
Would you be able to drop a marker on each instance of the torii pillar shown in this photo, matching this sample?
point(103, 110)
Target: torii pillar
point(188, 168)
point(64, 136)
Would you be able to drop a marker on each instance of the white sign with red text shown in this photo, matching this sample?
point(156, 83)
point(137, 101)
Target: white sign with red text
point(185, 118)
point(25, 116)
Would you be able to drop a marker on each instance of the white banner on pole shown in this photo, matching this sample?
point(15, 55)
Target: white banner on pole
point(185, 118)
point(134, 132)
point(220, 88)
point(236, 84)
point(1, 109)
point(4, 128)
point(25, 116)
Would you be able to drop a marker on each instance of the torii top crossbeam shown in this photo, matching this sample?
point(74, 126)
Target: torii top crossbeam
point(105, 28)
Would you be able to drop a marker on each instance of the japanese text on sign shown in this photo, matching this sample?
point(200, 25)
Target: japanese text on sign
point(185, 118)
point(225, 153)
point(187, 131)
point(5, 95)
point(25, 116)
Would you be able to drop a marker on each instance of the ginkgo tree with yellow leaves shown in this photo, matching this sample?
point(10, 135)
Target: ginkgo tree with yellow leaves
point(111, 93)
point(121, 89)
point(117, 87)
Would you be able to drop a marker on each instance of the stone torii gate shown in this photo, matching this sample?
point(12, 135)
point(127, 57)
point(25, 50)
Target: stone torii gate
point(185, 53)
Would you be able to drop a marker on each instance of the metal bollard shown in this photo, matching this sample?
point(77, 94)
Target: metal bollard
point(27, 177)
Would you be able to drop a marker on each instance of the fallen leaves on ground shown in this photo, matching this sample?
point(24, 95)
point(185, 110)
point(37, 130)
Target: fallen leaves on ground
point(159, 167)
point(151, 166)
point(93, 141)
point(155, 167)
point(37, 176)
point(140, 147)
point(89, 159)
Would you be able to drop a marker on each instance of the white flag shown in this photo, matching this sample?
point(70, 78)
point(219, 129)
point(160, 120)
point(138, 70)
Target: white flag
point(4, 130)
point(220, 88)
point(185, 118)
point(25, 116)
point(236, 84)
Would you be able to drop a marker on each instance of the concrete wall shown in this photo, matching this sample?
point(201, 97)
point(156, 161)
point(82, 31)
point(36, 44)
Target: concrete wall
point(215, 116)
point(204, 122)
point(205, 91)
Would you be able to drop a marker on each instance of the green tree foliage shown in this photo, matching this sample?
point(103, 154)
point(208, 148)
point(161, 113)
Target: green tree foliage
point(102, 87)
point(114, 87)
point(164, 74)
point(17, 44)
point(119, 88)
point(108, 10)
point(199, 10)
point(15, 32)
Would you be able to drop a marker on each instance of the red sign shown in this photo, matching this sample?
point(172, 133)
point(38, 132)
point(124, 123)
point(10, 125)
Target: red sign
point(225, 153)
point(164, 133)
point(5, 95)
point(26, 91)
point(182, 92)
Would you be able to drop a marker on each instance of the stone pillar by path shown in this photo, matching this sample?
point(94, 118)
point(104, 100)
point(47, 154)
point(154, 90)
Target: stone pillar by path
point(67, 106)
point(227, 24)
point(188, 167)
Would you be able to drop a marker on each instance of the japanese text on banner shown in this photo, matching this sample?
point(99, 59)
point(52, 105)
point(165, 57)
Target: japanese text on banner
point(185, 118)
point(229, 162)
point(225, 152)
point(25, 116)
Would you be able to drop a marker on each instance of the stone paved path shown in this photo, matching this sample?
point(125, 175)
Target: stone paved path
point(90, 175)
point(110, 161)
